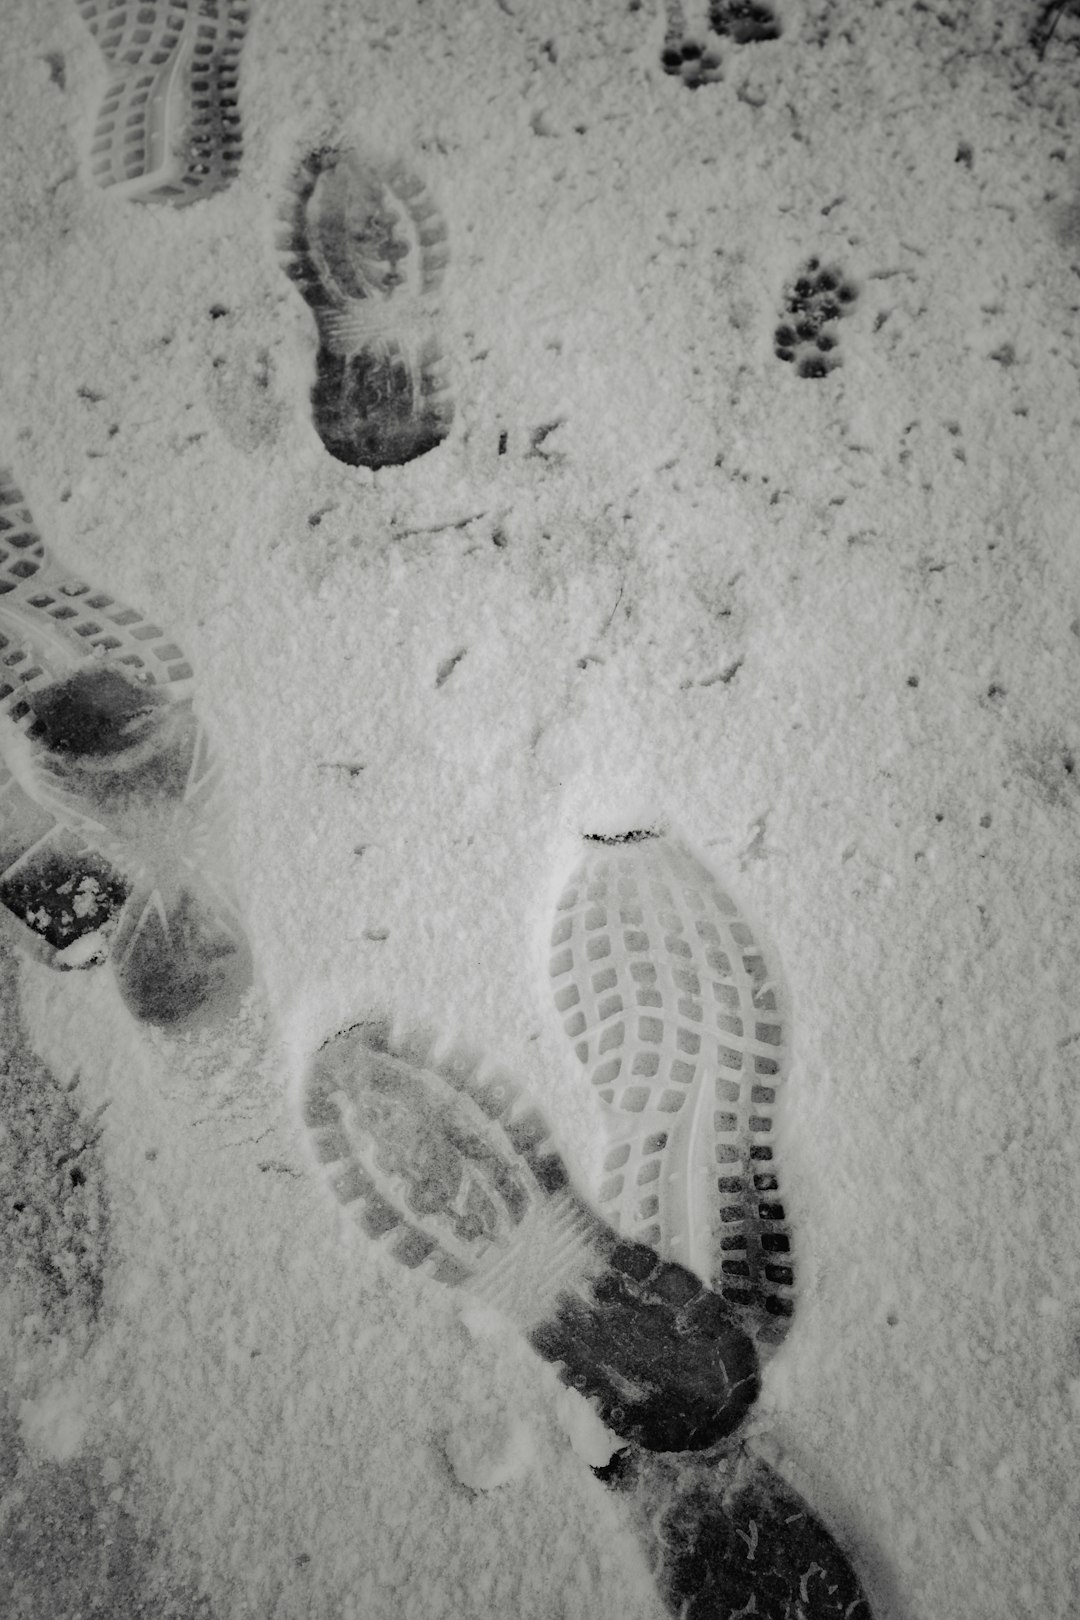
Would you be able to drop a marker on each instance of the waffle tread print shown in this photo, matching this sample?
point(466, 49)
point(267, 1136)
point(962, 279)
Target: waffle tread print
point(168, 128)
point(109, 803)
point(444, 1162)
point(366, 247)
point(678, 1021)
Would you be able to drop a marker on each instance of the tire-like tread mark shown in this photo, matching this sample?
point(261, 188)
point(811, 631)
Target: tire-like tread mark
point(366, 248)
point(816, 299)
point(168, 129)
point(679, 1024)
point(452, 1169)
point(110, 809)
point(733, 1537)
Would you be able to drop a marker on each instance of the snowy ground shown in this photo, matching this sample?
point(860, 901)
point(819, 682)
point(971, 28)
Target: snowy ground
point(827, 629)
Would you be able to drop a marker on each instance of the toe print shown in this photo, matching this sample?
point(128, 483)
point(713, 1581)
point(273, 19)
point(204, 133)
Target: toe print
point(112, 823)
point(451, 1169)
point(366, 248)
point(807, 335)
point(169, 125)
point(689, 57)
point(678, 1021)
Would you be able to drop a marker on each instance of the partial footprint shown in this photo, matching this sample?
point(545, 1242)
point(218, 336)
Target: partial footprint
point(677, 1020)
point(54, 1218)
point(366, 247)
point(732, 1537)
point(169, 125)
point(452, 1170)
point(741, 22)
point(813, 303)
point(112, 825)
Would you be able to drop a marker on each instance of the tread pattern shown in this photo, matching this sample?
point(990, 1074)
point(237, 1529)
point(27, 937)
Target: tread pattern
point(111, 818)
point(366, 248)
point(452, 1170)
point(169, 125)
point(677, 1019)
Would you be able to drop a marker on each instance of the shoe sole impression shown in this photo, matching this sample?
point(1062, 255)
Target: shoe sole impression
point(452, 1169)
point(60, 900)
point(730, 1536)
point(366, 247)
point(169, 125)
point(676, 1017)
point(100, 741)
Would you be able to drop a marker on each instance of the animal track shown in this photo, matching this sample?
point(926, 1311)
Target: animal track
point(366, 248)
point(677, 1020)
point(452, 1170)
point(817, 298)
point(741, 22)
point(730, 1536)
point(169, 125)
point(111, 818)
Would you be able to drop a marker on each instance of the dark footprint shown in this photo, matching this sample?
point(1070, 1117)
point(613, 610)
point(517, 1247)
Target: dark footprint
point(813, 303)
point(741, 22)
point(746, 22)
point(54, 1217)
point(111, 815)
point(453, 1171)
point(367, 250)
point(169, 125)
point(679, 1023)
point(730, 1537)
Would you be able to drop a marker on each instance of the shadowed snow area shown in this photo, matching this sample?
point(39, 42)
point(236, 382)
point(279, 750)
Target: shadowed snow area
point(655, 430)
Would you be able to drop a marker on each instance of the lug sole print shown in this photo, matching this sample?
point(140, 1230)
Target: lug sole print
point(677, 1019)
point(168, 129)
point(112, 820)
point(450, 1168)
point(366, 248)
point(732, 1537)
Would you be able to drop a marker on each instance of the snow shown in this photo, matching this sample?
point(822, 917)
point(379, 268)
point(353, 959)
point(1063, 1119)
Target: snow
point(828, 631)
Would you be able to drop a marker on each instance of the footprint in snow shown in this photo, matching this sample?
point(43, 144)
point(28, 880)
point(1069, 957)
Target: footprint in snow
point(451, 1169)
point(678, 1019)
point(168, 129)
point(112, 825)
point(366, 248)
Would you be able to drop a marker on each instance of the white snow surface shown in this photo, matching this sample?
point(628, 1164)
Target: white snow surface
point(887, 782)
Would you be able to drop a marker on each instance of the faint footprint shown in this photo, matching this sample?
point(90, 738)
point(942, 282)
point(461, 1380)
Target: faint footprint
point(813, 303)
point(453, 1171)
point(730, 1536)
point(169, 125)
point(111, 818)
point(367, 250)
point(678, 1021)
